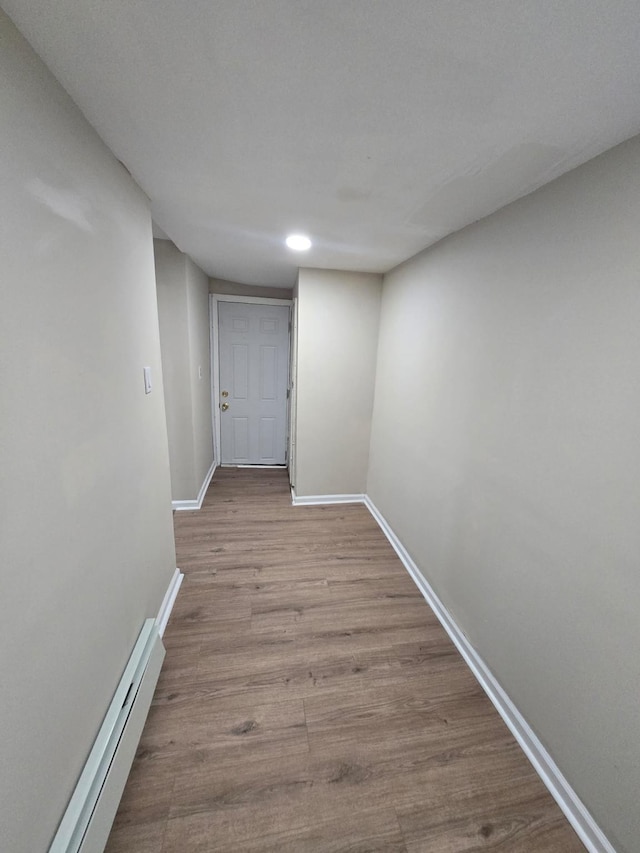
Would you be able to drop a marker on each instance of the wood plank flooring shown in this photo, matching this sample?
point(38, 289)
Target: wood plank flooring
point(310, 701)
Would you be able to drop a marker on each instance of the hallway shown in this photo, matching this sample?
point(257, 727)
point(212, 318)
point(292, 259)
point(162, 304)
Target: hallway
point(310, 700)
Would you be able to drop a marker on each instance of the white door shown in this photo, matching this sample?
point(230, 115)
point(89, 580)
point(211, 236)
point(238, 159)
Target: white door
point(254, 363)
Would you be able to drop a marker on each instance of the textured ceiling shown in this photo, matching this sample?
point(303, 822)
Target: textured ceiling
point(375, 126)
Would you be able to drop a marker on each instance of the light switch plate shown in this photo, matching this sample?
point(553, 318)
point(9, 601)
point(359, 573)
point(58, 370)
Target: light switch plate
point(147, 380)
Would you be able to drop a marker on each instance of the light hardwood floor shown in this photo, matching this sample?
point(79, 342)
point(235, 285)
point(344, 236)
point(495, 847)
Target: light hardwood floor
point(310, 700)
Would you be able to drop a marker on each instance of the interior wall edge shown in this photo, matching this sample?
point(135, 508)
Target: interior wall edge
point(168, 601)
point(197, 502)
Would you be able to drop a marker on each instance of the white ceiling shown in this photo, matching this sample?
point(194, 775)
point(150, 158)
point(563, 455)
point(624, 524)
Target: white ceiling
point(375, 126)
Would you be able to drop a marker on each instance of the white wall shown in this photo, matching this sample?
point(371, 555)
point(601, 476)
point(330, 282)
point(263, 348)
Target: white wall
point(338, 316)
point(85, 522)
point(183, 308)
point(505, 453)
point(234, 288)
point(200, 369)
point(172, 313)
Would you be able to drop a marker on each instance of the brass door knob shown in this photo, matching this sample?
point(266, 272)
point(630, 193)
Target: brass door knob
point(224, 407)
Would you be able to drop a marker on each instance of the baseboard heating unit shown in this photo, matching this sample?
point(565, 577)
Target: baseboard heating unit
point(87, 821)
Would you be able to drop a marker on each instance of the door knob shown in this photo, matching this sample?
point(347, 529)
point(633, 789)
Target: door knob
point(225, 394)
point(224, 407)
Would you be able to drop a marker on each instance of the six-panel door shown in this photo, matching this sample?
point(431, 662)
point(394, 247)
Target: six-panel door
point(254, 365)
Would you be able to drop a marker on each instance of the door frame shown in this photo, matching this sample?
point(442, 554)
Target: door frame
point(214, 332)
point(293, 392)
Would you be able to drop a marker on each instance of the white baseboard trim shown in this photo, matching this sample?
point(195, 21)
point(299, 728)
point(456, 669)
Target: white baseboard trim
point(168, 601)
point(197, 503)
point(574, 809)
point(319, 500)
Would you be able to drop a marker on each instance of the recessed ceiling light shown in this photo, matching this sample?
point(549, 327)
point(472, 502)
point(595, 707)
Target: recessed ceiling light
point(298, 242)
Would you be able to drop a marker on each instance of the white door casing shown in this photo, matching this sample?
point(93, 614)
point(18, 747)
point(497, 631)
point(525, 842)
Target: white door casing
point(253, 345)
point(293, 392)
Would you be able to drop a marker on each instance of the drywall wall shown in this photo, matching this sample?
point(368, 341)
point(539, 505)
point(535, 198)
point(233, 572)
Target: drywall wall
point(200, 369)
point(174, 343)
point(338, 316)
point(183, 309)
point(86, 533)
point(505, 455)
point(234, 288)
